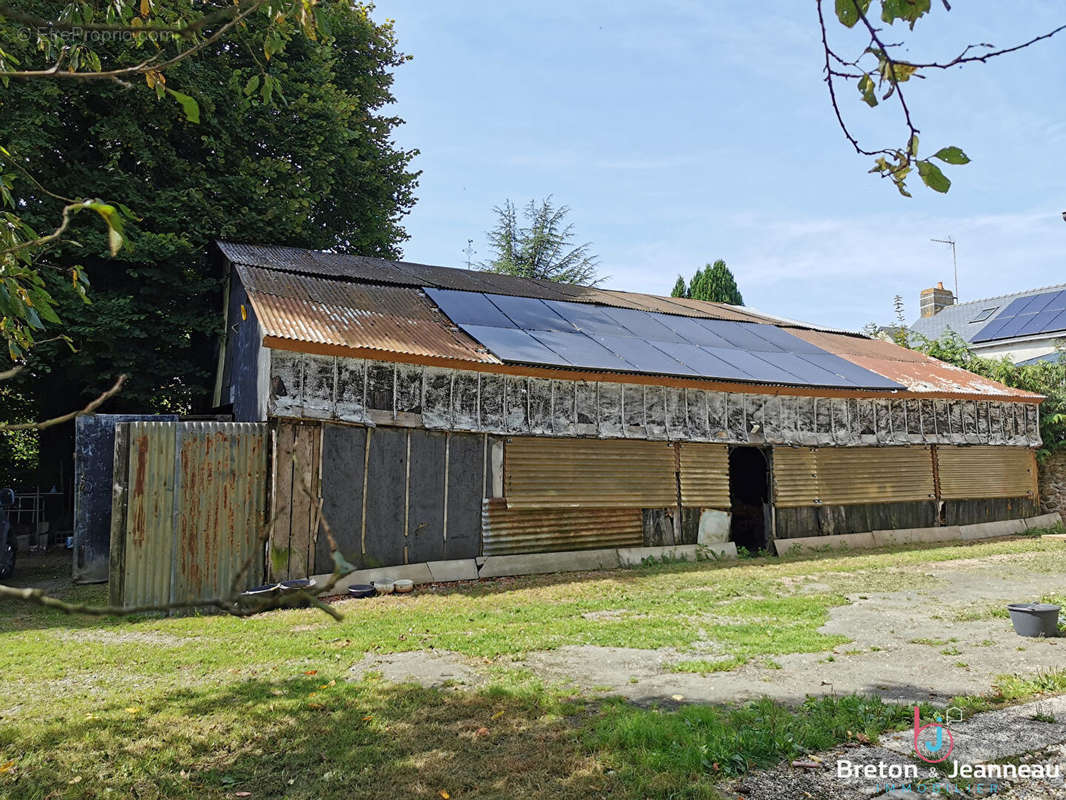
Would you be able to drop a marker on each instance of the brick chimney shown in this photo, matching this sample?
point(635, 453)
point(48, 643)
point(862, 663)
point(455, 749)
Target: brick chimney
point(933, 301)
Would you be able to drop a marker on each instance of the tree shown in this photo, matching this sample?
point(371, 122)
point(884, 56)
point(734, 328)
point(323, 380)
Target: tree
point(715, 282)
point(310, 163)
point(879, 75)
point(541, 248)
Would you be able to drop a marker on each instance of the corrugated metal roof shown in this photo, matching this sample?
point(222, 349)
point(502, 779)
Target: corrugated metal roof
point(394, 319)
point(369, 303)
point(405, 273)
point(917, 371)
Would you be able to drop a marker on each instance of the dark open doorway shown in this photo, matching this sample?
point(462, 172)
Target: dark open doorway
point(749, 496)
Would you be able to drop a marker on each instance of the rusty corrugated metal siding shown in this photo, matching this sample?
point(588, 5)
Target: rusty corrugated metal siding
point(544, 530)
point(982, 472)
point(846, 476)
point(392, 319)
point(588, 473)
point(795, 476)
point(704, 473)
point(196, 503)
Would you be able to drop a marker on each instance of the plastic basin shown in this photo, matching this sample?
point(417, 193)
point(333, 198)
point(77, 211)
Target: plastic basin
point(1034, 619)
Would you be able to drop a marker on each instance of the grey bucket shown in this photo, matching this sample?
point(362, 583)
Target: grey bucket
point(1034, 619)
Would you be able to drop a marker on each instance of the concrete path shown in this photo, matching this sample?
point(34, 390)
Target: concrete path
point(1016, 736)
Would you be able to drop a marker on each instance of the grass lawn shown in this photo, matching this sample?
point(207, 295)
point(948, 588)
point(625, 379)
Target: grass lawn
point(212, 706)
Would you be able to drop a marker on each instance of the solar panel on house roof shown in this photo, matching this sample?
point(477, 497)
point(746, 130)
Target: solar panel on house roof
point(561, 333)
point(1027, 316)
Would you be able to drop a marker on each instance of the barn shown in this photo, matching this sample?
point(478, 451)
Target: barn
point(447, 416)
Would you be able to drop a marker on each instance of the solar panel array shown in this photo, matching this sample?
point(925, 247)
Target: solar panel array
point(564, 334)
point(1039, 313)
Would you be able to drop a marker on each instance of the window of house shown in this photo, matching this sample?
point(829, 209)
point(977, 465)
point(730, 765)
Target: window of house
point(985, 314)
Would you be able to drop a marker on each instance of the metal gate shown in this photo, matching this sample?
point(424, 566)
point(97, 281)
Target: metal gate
point(188, 510)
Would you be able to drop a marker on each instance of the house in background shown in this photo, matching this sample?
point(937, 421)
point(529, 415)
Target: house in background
point(1026, 327)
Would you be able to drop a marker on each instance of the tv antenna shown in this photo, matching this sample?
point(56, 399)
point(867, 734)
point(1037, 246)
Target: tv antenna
point(954, 261)
point(469, 251)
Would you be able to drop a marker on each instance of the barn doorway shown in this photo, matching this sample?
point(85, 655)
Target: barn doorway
point(749, 497)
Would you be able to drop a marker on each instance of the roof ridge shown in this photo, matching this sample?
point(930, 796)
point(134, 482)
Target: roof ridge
point(1010, 294)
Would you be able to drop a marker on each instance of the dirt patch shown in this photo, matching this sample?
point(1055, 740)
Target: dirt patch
point(427, 668)
point(906, 645)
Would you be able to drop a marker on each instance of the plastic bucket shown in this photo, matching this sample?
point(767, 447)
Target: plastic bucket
point(1034, 619)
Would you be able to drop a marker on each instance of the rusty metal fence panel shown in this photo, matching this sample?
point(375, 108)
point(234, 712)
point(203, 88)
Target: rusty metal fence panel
point(968, 473)
point(588, 473)
point(189, 505)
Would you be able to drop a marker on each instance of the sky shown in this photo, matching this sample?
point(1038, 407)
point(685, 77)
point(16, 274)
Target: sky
point(681, 132)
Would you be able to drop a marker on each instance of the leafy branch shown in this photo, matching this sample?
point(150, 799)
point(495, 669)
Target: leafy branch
point(879, 76)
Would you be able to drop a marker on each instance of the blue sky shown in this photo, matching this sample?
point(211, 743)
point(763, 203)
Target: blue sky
point(681, 132)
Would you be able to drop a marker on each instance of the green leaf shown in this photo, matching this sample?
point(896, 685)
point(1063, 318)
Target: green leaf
point(866, 89)
point(252, 85)
point(188, 105)
point(933, 177)
point(912, 147)
point(848, 11)
point(907, 10)
point(952, 155)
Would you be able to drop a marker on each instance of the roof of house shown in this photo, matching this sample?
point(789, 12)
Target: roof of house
point(374, 308)
point(969, 319)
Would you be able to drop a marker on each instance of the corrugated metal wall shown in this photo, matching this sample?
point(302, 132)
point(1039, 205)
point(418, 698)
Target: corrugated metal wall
point(189, 504)
point(844, 476)
point(704, 474)
point(509, 530)
point(985, 472)
point(588, 473)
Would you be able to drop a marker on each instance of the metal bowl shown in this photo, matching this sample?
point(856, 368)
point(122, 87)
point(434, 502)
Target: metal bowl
point(403, 585)
point(361, 590)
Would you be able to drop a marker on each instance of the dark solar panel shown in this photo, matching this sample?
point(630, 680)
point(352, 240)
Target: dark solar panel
point(1026, 316)
point(991, 330)
point(643, 324)
point(755, 367)
point(530, 314)
point(588, 318)
point(580, 351)
point(853, 374)
point(645, 356)
point(743, 335)
point(783, 339)
point(807, 371)
point(510, 344)
point(1039, 322)
point(562, 333)
point(469, 308)
point(703, 362)
point(1058, 302)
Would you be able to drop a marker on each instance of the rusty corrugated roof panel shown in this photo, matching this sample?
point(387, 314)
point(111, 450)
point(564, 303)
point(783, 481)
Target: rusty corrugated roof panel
point(917, 371)
point(406, 273)
point(395, 319)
